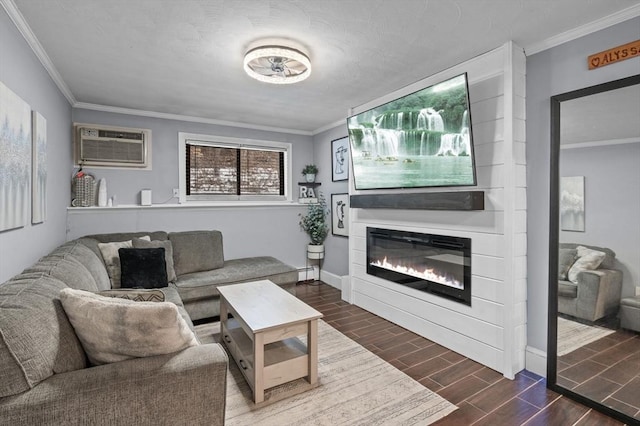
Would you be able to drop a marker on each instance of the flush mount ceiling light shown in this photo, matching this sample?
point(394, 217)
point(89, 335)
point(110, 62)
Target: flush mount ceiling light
point(277, 64)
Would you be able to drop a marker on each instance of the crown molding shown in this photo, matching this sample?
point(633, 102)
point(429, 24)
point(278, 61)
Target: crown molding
point(591, 27)
point(591, 144)
point(330, 126)
point(24, 28)
point(178, 117)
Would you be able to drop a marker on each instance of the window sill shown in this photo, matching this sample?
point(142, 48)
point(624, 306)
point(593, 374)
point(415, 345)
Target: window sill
point(192, 204)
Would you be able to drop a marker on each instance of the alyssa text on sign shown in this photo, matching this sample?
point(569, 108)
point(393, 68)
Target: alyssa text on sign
point(610, 56)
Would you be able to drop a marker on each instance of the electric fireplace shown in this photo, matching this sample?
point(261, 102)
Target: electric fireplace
point(437, 264)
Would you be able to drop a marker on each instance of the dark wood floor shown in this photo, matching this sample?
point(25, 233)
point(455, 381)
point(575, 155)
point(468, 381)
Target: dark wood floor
point(483, 396)
point(607, 370)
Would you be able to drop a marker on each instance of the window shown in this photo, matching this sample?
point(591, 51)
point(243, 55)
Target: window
point(222, 168)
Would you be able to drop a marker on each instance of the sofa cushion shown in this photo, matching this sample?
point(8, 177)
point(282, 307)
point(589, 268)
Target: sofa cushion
point(567, 289)
point(124, 236)
point(66, 269)
point(588, 260)
point(195, 251)
point(143, 267)
point(200, 285)
point(168, 251)
point(111, 258)
point(566, 257)
point(37, 338)
point(92, 260)
point(114, 329)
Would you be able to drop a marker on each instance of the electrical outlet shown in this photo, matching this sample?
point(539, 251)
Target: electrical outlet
point(176, 192)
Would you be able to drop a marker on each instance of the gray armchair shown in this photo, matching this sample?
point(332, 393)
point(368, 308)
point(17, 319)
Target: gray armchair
point(596, 294)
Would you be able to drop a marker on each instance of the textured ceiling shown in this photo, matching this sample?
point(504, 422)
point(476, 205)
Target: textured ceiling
point(185, 56)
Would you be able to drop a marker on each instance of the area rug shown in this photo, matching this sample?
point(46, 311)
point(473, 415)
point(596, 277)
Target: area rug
point(356, 388)
point(573, 335)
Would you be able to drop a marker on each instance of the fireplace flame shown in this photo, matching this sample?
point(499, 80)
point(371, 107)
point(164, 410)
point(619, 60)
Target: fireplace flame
point(428, 274)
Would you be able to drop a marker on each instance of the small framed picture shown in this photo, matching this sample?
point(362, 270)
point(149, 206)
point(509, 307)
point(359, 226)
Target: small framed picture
point(340, 215)
point(572, 203)
point(340, 159)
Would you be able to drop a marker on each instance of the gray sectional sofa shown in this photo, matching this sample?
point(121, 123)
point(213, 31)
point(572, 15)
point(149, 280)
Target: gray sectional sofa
point(201, 268)
point(46, 376)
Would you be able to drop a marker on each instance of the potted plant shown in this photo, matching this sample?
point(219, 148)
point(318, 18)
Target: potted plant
point(309, 172)
point(314, 223)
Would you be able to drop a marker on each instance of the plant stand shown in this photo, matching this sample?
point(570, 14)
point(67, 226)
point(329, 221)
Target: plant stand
point(312, 281)
point(314, 252)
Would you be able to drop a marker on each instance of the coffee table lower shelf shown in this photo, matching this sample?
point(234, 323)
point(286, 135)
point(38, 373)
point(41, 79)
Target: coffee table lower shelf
point(284, 360)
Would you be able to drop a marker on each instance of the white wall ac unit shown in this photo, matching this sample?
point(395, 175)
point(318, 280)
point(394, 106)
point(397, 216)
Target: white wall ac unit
point(105, 146)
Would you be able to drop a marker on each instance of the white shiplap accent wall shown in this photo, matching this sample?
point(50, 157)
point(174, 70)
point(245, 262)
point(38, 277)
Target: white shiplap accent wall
point(492, 330)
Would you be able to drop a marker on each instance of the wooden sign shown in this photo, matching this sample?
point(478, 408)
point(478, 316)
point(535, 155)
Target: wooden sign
point(617, 54)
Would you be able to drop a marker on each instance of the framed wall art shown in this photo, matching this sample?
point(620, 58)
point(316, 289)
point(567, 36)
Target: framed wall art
point(15, 159)
point(39, 169)
point(340, 159)
point(572, 203)
point(340, 215)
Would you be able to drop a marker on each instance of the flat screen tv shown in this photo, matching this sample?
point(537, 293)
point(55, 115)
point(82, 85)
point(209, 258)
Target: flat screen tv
point(423, 139)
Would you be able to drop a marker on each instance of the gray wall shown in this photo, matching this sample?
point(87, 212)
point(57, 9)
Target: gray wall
point(612, 203)
point(247, 231)
point(21, 72)
point(551, 72)
point(336, 247)
point(126, 184)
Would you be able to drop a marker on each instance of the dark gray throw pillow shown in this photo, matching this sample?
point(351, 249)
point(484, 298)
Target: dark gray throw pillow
point(168, 253)
point(143, 268)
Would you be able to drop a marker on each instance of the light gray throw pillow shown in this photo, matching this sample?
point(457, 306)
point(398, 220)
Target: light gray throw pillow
point(112, 258)
point(588, 260)
point(113, 329)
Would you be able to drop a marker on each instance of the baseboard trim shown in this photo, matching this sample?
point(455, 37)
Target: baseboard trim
point(333, 280)
point(536, 361)
point(311, 272)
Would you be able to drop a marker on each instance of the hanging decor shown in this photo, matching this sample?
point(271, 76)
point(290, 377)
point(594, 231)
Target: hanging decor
point(15, 159)
point(39, 169)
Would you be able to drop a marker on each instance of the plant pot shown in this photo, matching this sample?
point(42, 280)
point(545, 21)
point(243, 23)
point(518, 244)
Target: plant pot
point(315, 251)
point(310, 177)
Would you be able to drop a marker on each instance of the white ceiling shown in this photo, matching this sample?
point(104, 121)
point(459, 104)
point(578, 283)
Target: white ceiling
point(184, 57)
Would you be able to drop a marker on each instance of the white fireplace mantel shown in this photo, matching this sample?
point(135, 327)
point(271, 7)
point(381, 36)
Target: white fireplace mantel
point(491, 331)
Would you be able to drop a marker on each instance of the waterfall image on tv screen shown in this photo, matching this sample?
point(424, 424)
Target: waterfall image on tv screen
point(419, 140)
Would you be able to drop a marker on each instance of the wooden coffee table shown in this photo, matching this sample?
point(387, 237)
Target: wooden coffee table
point(262, 335)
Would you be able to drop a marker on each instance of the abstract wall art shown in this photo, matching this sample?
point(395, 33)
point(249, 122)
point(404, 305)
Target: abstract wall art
point(15, 159)
point(340, 215)
point(39, 169)
point(340, 159)
point(572, 203)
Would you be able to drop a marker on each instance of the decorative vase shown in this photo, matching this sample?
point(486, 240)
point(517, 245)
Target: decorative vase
point(310, 177)
point(102, 193)
point(315, 251)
